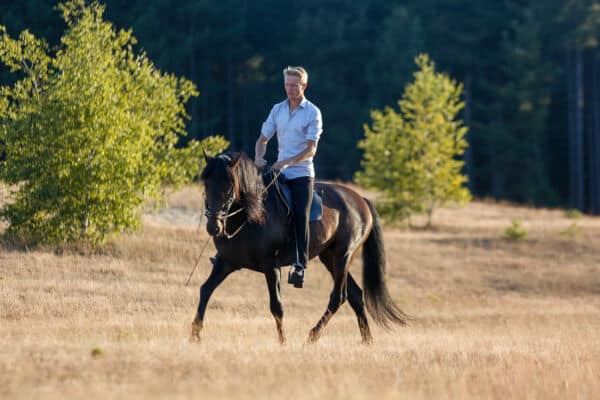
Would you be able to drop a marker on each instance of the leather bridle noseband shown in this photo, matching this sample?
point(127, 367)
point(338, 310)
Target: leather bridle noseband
point(223, 214)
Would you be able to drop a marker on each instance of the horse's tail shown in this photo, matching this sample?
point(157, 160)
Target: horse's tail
point(377, 298)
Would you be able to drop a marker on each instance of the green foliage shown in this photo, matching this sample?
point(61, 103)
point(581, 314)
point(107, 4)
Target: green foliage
point(96, 352)
point(573, 213)
point(413, 156)
point(511, 56)
point(572, 231)
point(89, 132)
point(518, 120)
point(515, 231)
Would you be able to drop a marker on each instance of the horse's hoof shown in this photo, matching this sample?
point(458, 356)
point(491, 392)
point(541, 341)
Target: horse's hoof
point(365, 334)
point(195, 337)
point(367, 341)
point(313, 336)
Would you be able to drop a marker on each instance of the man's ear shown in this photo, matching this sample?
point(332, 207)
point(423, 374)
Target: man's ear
point(206, 156)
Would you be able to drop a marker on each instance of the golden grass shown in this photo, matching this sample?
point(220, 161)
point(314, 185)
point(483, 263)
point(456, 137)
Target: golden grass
point(494, 318)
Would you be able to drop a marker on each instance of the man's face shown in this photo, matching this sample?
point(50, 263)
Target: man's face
point(293, 88)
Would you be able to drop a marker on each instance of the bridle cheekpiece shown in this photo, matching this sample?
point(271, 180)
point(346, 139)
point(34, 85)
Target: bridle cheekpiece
point(223, 213)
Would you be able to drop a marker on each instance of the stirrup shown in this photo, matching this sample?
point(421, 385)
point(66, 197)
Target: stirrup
point(296, 277)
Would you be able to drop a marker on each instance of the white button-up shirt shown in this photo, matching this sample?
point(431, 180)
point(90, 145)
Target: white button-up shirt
point(293, 130)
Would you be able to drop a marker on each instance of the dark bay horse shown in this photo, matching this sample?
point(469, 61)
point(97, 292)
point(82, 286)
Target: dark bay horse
point(250, 227)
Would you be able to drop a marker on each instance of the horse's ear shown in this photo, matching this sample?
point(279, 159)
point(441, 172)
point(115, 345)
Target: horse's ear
point(206, 156)
point(236, 161)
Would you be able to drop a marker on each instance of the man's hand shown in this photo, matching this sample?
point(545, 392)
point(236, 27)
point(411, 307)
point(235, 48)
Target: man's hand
point(279, 165)
point(260, 162)
point(259, 151)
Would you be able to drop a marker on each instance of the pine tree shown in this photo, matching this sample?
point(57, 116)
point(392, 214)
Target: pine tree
point(525, 95)
point(399, 42)
point(413, 157)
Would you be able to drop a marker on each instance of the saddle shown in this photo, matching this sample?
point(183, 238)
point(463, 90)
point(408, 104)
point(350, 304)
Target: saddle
point(285, 194)
point(282, 195)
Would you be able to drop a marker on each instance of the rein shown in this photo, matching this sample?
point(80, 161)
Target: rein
point(224, 213)
point(271, 183)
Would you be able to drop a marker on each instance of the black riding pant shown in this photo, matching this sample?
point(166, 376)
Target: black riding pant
point(302, 194)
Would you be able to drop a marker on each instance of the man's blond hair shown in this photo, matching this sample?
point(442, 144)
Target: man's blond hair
point(296, 71)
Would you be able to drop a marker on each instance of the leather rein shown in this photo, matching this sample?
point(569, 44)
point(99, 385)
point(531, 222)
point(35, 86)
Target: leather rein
point(223, 213)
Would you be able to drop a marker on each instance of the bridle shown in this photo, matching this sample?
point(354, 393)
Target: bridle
point(223, 213)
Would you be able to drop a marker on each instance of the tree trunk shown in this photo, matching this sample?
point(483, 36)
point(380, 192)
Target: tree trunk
point(194, 128)
point(230, 108)
point(570, 117)
point(468, 157)
point(576, 104)
point(594, 147)
point(206, 82)
point(245, 132)
point(498, 173)
point(579, 152)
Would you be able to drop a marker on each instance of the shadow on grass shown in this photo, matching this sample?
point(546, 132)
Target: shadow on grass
point(559, 286)
point(10, 243)
point(486, 243)
point(547, 247)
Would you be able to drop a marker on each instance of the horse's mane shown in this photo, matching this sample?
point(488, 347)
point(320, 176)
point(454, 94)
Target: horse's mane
point(247, 182)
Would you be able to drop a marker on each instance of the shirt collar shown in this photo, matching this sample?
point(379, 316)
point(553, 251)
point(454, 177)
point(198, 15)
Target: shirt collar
point(302, 104)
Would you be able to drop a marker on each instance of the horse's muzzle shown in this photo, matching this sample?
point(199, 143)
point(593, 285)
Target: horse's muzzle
point(214, 227)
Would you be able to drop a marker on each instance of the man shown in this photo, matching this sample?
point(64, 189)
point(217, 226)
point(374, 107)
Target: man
point(298, 125)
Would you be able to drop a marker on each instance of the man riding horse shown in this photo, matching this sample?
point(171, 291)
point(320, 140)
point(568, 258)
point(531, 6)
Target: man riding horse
point(249, 229)
point(298, 125)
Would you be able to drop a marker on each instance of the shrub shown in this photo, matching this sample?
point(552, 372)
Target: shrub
point(514, 231)
point(90, 131)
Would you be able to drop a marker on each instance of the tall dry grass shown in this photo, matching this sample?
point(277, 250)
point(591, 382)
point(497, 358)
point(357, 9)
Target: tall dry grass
point(494, 318)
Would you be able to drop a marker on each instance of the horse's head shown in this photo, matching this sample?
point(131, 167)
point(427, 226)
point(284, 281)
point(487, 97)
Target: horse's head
point(220, 190)
point(230, 178)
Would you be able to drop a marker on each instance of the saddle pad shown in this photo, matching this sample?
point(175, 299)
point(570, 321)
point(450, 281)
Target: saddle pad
point(316, 207)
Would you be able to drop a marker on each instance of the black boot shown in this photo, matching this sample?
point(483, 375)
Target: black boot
point(296, 276)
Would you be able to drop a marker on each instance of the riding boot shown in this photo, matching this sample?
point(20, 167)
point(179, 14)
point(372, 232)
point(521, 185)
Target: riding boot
point(302, 193)
point(296, 276)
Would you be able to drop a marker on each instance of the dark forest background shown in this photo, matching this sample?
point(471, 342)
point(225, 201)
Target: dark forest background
point(530, 71)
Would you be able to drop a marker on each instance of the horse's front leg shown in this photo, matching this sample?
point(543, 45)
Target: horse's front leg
point(273, 277)
point(219, 272)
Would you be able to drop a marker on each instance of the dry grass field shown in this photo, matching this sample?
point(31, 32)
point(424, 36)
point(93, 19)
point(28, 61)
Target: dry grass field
point(493, 318)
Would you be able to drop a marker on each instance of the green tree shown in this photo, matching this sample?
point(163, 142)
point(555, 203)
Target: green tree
point(412, 156)
point(399, 42)
point(334, 38)
point(525, 94)
point(89, 132)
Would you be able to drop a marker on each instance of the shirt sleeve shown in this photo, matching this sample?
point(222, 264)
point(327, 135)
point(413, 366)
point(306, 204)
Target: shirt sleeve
point(268, 127)
point(315, 126)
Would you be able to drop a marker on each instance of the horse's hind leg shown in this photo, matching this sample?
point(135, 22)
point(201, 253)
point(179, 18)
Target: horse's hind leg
point(355, 298)
point(273, 277)
point(338, 266)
